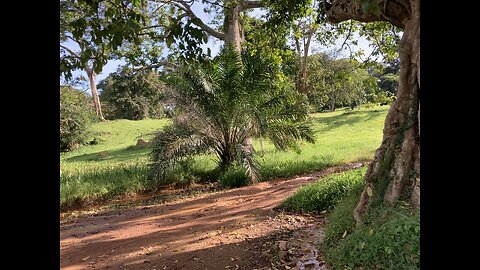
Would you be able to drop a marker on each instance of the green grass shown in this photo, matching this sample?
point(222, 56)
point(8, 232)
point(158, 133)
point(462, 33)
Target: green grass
point(341, 220)
point(116, 166)
point(389, 239)
point(325, 193)
point(115, 137)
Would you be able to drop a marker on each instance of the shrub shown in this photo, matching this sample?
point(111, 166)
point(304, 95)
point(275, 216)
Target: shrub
point(325, 193)
point(76, 116)
point(182, 174)
point(133, 95)
point(234, 177)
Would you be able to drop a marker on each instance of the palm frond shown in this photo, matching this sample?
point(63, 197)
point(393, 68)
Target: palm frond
point(174, 144)
point(284, 134)
point(221, 105)
point(249, 163)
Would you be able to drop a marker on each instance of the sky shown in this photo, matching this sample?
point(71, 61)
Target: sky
point(213, 43)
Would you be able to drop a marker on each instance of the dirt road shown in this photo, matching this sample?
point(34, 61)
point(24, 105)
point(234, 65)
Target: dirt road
point(235, 229)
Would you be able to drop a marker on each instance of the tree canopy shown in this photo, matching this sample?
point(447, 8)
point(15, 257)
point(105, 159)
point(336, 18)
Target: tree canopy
point(133, 95)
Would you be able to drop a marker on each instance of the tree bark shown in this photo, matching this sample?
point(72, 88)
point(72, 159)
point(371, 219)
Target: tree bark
point(394, 174)
point(301, 80)
point(332, 106)
point(298, 57)
point(332, 101)
point(232, 26)
point(93, 87)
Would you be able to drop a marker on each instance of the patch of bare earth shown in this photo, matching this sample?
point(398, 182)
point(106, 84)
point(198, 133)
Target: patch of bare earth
point(236, 229)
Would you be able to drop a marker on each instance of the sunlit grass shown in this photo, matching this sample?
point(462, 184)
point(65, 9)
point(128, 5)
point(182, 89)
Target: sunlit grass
point(117, 166)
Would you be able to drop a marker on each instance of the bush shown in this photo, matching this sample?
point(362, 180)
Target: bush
point(76, 116)
point(234, 177)
point(390, 239)
point(133, 95)
point(182, 174)
point(325, 193)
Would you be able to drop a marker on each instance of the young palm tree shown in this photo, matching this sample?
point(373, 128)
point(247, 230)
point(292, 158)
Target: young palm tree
point(223, 104)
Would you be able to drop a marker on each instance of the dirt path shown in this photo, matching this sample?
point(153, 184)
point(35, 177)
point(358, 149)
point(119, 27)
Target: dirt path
point(236, 229)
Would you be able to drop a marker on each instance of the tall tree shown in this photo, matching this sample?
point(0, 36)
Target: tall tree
point(388, 79)
point(395, 171)
point(335, 81)
point(303, 31)
point(176, 20)
point(165, 20)
point(97, 29)
point(71, 13)
point(133, 95)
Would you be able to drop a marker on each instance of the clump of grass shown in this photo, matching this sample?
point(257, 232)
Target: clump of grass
point(283, 164)
point(95, 184)
point(182, 175)
point(234, 177)
point(341, 220)
point(325, 193)
point(390, 239)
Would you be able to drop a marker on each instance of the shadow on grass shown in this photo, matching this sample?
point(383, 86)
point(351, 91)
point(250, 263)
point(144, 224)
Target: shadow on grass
point(348, 118)
point(121, 154)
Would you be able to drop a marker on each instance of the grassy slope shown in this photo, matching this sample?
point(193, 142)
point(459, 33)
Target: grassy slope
point(116, 136)
point(341, 137)
point(115, 167)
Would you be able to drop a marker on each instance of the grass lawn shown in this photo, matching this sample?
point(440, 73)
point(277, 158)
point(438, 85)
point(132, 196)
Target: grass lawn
point(116, 166)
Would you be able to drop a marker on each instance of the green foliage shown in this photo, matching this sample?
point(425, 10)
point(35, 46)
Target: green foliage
point(390, 239)
point(336, 82)
point(258, 37)
point(182, 174)
point(384, 37)
point(383, 98)
point(224, 103)
point(76, 116)
point(282, 13)
point(98, 28)
point(89, 171)
point(233, 177)
point(325, 193)
point(133, 95)
point(389, 76)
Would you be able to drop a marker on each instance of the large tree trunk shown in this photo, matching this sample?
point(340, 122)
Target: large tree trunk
point(395, 171)
point(232, 26)
point(233, 36)
point(93, 86)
